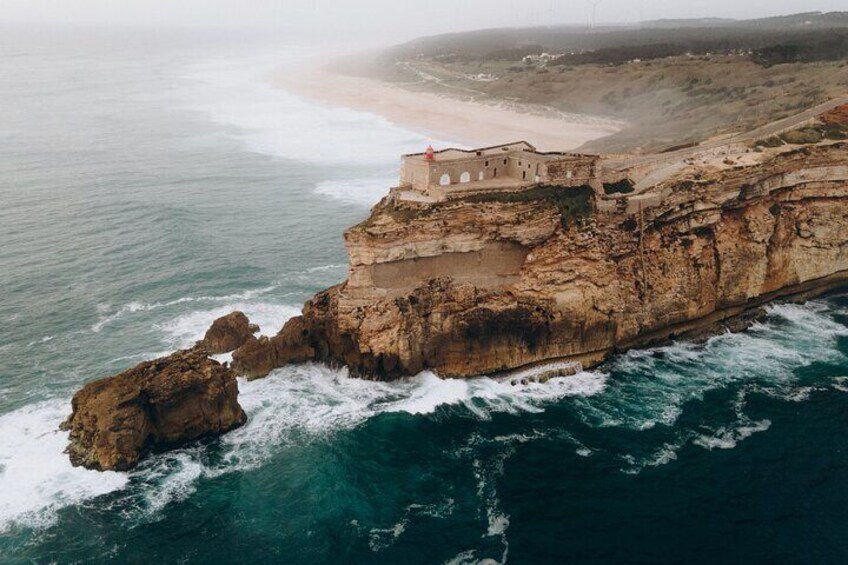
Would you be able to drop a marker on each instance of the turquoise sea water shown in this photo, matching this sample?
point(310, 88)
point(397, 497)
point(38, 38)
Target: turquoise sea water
point(150, 182)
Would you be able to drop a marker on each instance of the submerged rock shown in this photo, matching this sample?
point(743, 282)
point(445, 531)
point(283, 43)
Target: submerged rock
point(157, 405)
point(228, 333)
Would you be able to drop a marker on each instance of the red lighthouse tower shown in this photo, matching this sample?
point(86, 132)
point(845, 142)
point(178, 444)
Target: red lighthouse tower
point(430, 154)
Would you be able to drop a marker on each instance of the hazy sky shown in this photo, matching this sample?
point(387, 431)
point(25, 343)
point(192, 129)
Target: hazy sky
point(397, 18)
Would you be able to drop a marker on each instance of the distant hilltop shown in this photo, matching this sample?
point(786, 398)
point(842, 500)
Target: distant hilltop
point(669, 82)
point(805, 19)
point(693, 35)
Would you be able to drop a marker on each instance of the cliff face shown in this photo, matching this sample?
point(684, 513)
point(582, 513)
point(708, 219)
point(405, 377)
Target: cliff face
point(502, 281)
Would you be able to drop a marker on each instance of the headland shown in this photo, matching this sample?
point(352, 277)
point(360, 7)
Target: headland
point(490, 260)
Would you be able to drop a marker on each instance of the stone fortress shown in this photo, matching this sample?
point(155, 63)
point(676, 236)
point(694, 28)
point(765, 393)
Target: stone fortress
point(454, 173)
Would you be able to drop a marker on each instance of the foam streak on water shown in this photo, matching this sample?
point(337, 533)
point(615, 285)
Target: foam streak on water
point(268, 120)
point(291, 406)
point(36, 477)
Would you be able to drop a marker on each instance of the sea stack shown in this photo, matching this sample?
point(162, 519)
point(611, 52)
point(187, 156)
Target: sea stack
point(228, 333)
point(157, 405)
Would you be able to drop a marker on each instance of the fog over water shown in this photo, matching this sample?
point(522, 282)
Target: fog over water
point(394, 19)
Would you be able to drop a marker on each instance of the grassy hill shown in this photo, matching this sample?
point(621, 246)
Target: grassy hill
point(673, 81)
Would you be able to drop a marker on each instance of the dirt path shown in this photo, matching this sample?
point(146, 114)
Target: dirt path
point(673, 161)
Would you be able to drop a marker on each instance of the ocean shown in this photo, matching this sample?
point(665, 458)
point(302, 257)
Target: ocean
point(153, 181)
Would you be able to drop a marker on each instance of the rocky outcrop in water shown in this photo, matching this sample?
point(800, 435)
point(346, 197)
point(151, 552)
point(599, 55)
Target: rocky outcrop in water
point(228, 333)
point(157, 405)
point(490, 284)
point(258, 357)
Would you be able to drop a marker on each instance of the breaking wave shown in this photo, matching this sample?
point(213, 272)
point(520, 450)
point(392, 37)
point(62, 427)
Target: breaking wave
point(292, 406)
point(650, 389)
point(107, 318)
point(643, 391)
point(240, 94)
point(36, 477)
point(363, 192)
point(186, 329)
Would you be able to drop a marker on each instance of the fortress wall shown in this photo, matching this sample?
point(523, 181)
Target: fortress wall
point(578, 168)
point(517, 164)
point(415, 173)
point(526, 166)
point(490, 166)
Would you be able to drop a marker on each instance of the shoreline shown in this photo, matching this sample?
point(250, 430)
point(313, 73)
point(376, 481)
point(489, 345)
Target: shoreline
point(440, 117)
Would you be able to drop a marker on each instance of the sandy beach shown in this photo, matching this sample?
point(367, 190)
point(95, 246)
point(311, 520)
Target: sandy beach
point(470, 122)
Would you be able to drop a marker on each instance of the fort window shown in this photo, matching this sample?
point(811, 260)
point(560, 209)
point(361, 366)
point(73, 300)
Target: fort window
point(487, 163)
point(504, 161)
point(445, 180)
point(465, 177)
point(524, 175)
point(496, 172)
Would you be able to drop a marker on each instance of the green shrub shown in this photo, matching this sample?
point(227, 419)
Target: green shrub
point(573, 204)
point(773, 141)
point(802, 136)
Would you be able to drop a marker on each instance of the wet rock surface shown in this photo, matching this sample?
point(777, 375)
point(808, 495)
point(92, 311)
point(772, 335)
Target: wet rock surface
point(258, 357)
point(155, 406)
point(228, 333)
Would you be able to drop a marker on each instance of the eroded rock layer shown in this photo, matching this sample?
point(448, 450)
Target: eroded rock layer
point(568, 281)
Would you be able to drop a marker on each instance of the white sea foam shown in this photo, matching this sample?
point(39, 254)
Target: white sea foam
point(164, 479)
point(107, 318)
point(652, 386)
point(487, 475)
point(728, 437)
point(237, 93)
point(184, 330)
point(464, 558)
point(302, 403)
point(36, 477)
point(381, 538)
point(483, 396)
point(364, 192)
point(44, 339)
point(315, 400)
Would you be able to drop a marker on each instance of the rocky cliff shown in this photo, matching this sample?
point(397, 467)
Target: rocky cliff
point(505, 280)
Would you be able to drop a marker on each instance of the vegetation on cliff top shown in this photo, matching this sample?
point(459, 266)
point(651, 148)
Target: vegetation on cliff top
point(832, 125)
point(573, 204)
